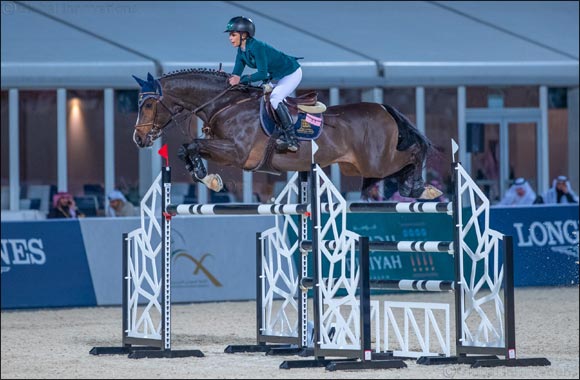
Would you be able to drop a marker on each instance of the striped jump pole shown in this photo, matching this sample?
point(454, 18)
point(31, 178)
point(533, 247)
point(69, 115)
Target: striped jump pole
point(391, 246)
point(408, 285)
point(238, 209)
point(397, 207)
point(298, 209)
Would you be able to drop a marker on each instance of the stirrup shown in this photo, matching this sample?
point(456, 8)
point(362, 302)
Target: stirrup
point(290, 144)
point(282, 140)
point(293, 143)
point(281, 145)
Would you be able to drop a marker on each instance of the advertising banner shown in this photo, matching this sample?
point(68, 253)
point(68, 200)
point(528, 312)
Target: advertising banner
point(214, 257)
point(399, 227)
point(44, 264)
point(545, 242)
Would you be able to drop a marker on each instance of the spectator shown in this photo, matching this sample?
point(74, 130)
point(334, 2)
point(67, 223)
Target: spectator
point(391, 186)
point(520, 193)
point(397, 197)
point(119, 205)
point(375, 193)
point(560, 192)
point(64, 206)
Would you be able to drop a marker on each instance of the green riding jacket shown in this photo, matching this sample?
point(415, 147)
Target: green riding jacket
point(271, 64)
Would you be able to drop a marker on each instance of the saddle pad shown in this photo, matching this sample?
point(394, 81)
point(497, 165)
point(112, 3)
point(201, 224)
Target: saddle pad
point(307, 126)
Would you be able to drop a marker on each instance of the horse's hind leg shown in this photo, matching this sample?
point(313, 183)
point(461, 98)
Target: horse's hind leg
point(411, 184)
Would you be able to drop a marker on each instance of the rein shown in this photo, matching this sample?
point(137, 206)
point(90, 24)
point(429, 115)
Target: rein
point(156, 130)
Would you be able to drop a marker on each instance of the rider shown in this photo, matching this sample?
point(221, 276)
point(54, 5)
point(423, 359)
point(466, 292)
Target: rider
point(271, 64)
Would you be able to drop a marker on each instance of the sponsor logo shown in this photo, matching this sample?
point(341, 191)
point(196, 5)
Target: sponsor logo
point(305, 128)
point(560, 235)
point(22, 252)
point(198, 265)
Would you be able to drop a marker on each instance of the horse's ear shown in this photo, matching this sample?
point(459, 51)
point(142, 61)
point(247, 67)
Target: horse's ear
point(150, 78)
point(140, 81)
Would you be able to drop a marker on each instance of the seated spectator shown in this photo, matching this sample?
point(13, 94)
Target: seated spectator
point(391, 186)
point(560, 192)
point(64, 206)
point(375, 194)
point(397, 197)
point(520, 193)
point(119, 205)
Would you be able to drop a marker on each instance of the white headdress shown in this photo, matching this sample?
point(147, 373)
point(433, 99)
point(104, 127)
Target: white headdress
point(551, 196)
point(513, 198)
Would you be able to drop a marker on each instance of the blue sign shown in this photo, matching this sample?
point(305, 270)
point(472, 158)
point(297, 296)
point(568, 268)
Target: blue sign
point(45, 265)
point(545, 242)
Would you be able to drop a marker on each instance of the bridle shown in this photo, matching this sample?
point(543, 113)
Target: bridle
point(177, 117)
point(156, 129)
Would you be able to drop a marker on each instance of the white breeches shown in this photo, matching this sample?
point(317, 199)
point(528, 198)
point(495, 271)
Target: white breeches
point(285, 87)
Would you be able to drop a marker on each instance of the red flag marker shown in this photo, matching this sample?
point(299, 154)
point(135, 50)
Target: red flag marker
point(163, 153)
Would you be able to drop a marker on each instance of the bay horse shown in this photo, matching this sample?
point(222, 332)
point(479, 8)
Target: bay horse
point(369, 140)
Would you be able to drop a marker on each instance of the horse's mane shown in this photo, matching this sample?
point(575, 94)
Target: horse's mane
point(211, 72)
point(195, 71)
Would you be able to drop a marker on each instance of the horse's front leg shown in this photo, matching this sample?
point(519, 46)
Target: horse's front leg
point(189, 153)
point(221, 151)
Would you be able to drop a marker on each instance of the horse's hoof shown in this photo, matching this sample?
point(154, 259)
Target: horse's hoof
point(213, 182)
point(216, 183)
point(430, 192)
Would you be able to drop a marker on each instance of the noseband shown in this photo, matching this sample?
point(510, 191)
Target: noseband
point(156, 128)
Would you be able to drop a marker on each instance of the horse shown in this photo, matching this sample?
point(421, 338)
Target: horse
point(368, 140)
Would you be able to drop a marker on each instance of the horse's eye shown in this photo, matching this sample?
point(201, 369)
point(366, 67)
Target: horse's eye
point(148, 105)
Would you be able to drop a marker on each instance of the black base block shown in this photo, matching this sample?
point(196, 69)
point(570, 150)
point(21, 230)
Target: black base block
point(118, 350)
point(236, 348)
point(343, 364)
point(140, 354)
point(527, 362)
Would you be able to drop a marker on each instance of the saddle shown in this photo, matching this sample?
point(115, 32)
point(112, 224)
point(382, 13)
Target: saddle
point(306, 113)
point(307, 103)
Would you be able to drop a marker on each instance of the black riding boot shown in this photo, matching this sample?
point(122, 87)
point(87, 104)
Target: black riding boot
point(287, 138)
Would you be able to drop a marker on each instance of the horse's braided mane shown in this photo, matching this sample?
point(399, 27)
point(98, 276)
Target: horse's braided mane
point(206, 71)
point(195, 71)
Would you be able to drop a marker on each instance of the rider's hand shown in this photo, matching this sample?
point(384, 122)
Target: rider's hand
point(234, 79)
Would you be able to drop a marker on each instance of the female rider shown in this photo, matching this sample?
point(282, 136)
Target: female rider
point(271, 65)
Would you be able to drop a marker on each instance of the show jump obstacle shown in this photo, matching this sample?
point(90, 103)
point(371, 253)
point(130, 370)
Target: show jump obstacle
point(344, 315)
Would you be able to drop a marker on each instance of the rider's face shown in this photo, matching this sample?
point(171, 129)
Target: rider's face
point(235, 38)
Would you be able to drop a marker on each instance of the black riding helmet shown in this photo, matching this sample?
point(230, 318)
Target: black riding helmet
point(241, 24)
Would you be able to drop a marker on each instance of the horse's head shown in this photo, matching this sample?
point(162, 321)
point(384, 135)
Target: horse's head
point(151, 118)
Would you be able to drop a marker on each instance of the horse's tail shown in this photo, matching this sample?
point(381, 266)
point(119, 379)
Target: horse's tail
point(409, 134)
